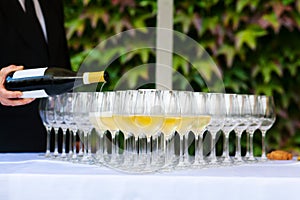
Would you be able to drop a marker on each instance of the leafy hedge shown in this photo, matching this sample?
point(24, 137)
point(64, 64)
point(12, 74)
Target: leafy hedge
point(255, 43)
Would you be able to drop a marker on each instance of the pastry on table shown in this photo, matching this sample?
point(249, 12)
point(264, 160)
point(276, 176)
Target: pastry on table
point(280, 155)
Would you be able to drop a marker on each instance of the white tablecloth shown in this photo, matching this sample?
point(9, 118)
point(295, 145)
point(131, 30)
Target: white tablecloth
point(30, 176)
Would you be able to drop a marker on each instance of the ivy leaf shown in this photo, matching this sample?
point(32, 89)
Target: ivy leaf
point(75, 26)
point(270, 20)
point(77, 59)
point(241, 4)
point(96, 13)
point(140, 21)
point(207, 4)
point(209, 23)
point(197, 22)
point(248, 37)
point(199, 81)
point(123, 3)
point(107, 56)
point(180, 63)
point(229, 53)
point(266, 69)
point(142, 53)
point(183, 19)
point(207, 69)
point(134, 74)
point(86, 2)
point(240, 74)
point(228, 2)
point(293, 67)
point(236, 79)
point(269, 89)
point(233, 17)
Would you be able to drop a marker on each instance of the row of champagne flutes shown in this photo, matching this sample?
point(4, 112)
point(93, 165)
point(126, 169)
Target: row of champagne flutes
point(148, 121)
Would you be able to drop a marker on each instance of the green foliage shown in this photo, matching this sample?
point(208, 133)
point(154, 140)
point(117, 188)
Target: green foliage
point(255, 43)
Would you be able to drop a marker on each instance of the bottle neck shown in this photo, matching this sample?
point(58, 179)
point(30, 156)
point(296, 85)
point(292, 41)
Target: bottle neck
point(94, 77)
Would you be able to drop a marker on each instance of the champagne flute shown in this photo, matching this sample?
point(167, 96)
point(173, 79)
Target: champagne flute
point(50, 115)
point(201, 121)
point(81, 116)
point(43, 109)
point(94, 117)
point(119, 110)
point(216, 110)
point(268, 117)
point(230, 123)
point(187, 115)
point(107, 121)
point(242, 123)
point(122, 114)
point(59, 112)
point(148, 119)
point(172, 120)
point(254, 123)
point(69, 110)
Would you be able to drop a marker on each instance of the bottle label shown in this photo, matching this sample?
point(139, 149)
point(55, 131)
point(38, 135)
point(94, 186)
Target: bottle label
point(29, 72)
point(34, 94)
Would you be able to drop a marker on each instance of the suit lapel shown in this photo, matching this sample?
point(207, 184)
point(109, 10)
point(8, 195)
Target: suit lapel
point(16, 15)
point(51, 19)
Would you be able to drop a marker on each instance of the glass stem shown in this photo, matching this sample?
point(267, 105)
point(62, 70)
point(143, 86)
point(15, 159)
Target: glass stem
point(105, 145)
point(149, 150)
point(181, 149)
point(251, 154)
point(142, 145)
point(100, 151)
point(154, 146)
point(48, 129)
point(70, 143)
point(137, 149)
point(200, 147)
point(162, 146)
point(213, 157)
point(114, 145)
point(168, 151)
point(55, 141)
point(126, 148)
point(74, 144)
point(238, 155)
point(247, 145)
point(186, 155)
point(89, 143)
point(263, 148)
point(81, 143)
point(85, 143)
point(64, 140)
point(197, 147)
point(226, 146)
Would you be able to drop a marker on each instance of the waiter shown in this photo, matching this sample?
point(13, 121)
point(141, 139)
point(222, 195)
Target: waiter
point(32, 35)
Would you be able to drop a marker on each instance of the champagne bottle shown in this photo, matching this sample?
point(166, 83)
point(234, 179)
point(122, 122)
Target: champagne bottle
point(43, 82)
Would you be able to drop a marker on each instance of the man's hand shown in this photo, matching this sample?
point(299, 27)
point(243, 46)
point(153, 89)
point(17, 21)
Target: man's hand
point(11, 98)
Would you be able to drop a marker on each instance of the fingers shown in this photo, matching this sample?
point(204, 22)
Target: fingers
point(3, 74)
point(11, 98)
point(9, 94)
point(6, 70)
point(15, 102)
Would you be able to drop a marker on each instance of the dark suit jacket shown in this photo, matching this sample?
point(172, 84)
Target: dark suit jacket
point(21, 128)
